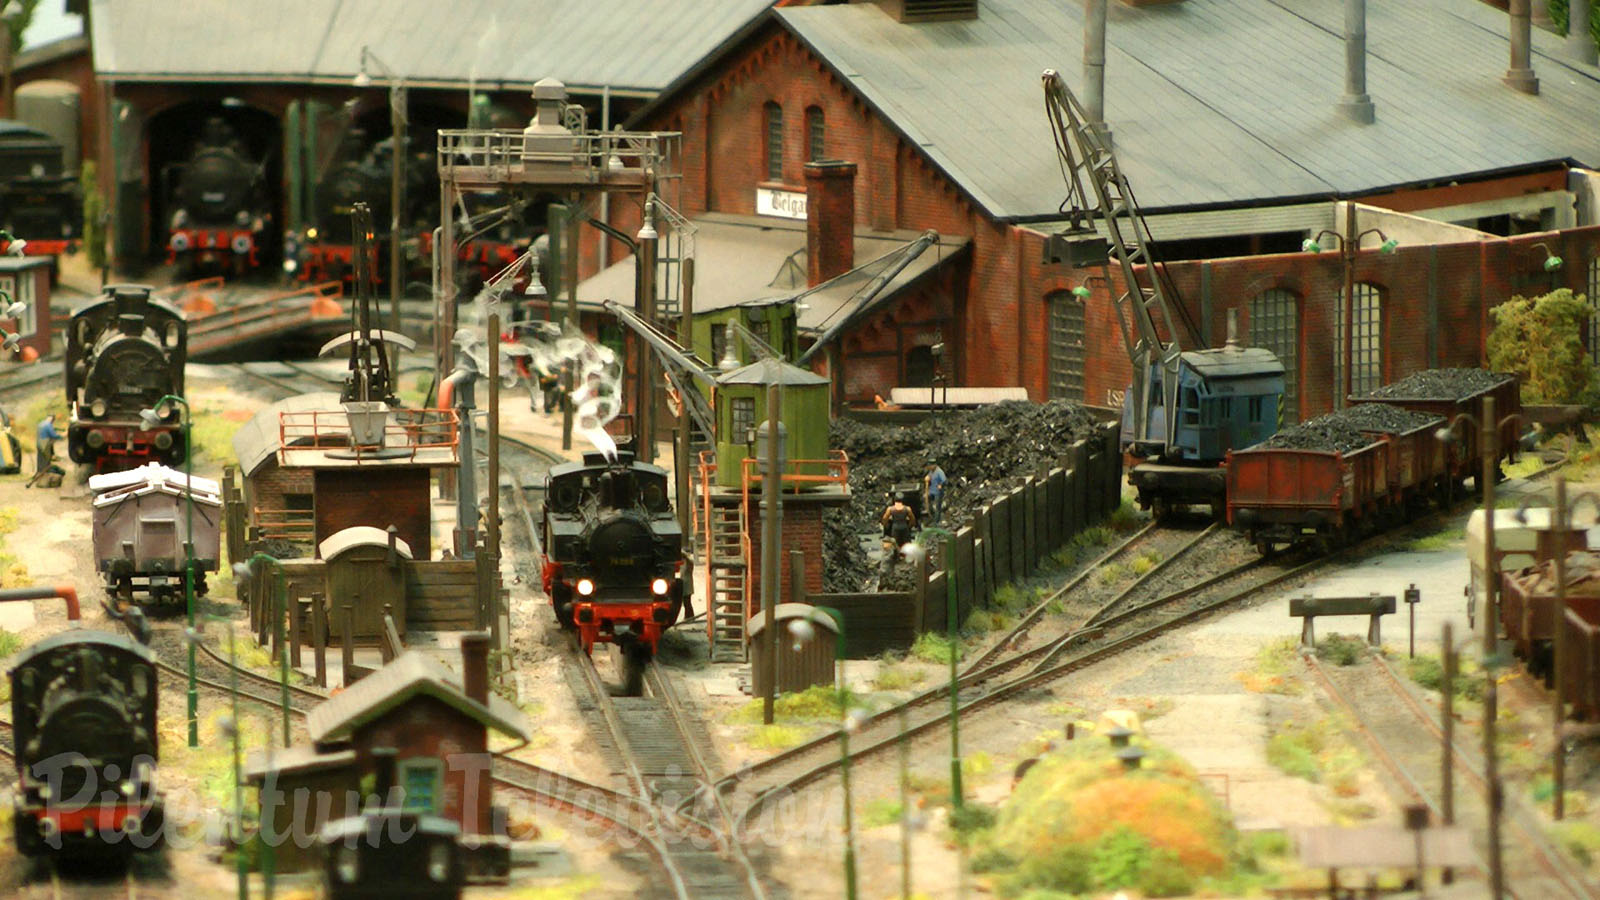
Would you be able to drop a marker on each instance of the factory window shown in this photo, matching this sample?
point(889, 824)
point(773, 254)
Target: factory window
point(1066, 346)
point(774, 142)
point(1594, 310)
point(1366, 350)
point(1275, 325)
point(420, 778)
point(719, 342)
point(814, 133)
point(742, 412)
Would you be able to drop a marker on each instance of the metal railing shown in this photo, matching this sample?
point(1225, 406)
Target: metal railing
point(273, 310)
point(593, 156)
point(295, 525)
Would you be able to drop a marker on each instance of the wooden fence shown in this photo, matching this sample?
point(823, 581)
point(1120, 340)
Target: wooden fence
point(1007, 540)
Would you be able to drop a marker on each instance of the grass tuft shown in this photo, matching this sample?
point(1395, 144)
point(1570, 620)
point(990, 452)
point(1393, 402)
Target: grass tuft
point(934, 647)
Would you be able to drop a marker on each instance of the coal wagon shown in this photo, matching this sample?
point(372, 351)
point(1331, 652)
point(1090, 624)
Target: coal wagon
point(1450, 392)
point(141, 521)
point(1324, 480)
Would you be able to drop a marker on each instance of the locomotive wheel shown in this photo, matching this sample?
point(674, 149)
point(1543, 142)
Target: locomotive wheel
point(1160, 509)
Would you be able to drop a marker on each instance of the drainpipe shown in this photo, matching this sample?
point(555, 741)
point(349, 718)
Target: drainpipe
point(455, 392)
point(1094, 67)
point(1356, 105)
point(1520, 77)
point(1580, 44)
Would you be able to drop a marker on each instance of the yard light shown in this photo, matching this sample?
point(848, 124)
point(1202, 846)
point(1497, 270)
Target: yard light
point(1552, 262)
point(148, 419)
point(12, 341)
point(535, 286)
point(15, 246)
point(647, 231)
point(1389, 245)
point(1310, 245)
point(1081, 292)
point(16, 310)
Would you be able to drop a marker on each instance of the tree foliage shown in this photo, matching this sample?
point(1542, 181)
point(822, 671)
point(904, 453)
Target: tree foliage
point(1541, 340)
point(20, 12)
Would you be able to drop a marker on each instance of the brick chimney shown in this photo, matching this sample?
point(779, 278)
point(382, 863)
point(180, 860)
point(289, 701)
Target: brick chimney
point(830, 219)
point(475, 666)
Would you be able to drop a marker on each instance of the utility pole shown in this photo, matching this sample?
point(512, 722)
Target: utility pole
point(770, 535)
point(681, 454)
point(644, 420)
point(1490, 445)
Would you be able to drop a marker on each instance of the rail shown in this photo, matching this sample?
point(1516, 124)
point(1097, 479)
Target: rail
point(406, 433)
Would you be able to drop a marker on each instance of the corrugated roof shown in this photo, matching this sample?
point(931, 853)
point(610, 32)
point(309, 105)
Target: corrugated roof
point(771, 371)
point(408, 675)
point(623, 44)
point(258, 440)
point(1212, 102)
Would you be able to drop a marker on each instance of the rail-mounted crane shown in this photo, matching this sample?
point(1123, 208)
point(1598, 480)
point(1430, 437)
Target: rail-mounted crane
point(1185, 408)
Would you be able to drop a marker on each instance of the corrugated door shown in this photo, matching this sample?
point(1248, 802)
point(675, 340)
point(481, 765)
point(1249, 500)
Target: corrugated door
point(1066, 346)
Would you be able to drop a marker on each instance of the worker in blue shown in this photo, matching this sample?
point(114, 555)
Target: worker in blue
point(45, 451)
point(933, 485)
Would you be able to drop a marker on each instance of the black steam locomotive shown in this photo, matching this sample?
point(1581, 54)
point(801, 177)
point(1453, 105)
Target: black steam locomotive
point(218, 202)
point(83, 705)
point(613, 554)
point(362, 173)
point(39, 199)
point(125, 352)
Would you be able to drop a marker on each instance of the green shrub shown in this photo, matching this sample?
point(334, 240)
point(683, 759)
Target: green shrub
point(1341, 649)
point(1580, 839)
point(897, 677)
point(818, 703)
point(971, 818)
point(1560, 14)
point(1293, 750)
point(1127, 517)
point(1541, 340)
point(881, 811)
point(9, 643)
point(935, 647)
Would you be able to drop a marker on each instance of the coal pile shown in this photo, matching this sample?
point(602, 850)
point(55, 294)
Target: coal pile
point(1440, 384)
point(1349, 429)
point(984, 452)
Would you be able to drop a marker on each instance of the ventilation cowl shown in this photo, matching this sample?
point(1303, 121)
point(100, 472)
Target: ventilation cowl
point(915, 11)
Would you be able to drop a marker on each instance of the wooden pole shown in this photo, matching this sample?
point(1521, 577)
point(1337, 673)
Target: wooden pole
point(770, 535)
point(347, 642)
point(1447, 800)
point(1558, 709)
point(683, 453)
point(319, 638)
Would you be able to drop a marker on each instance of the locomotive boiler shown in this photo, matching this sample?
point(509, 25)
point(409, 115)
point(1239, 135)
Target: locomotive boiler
point(219, 207)
point(83, 706)
point(125, 352)
point(613, 555)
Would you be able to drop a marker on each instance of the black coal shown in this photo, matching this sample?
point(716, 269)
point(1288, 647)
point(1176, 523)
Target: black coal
point(1350, 429)
point(1440, 384)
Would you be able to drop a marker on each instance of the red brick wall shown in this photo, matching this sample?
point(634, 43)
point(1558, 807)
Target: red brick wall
point(426, 727)
point(267, 487)
point(802, 530)
point(380, 497)
point(830, 220)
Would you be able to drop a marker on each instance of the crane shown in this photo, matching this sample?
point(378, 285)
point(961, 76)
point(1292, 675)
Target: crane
point(1180, 409)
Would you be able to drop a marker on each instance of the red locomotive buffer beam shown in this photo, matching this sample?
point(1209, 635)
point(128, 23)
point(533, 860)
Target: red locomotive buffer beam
point(241, 242)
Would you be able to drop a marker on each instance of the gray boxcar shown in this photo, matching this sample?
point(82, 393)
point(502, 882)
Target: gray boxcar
point(139, 528)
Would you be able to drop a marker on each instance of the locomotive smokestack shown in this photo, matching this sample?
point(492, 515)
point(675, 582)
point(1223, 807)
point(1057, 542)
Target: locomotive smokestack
point(130, 302)
point(475, 666)
point(1233, 331)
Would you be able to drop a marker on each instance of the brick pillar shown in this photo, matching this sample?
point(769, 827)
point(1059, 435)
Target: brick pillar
point(830, 219)
point(802, 530)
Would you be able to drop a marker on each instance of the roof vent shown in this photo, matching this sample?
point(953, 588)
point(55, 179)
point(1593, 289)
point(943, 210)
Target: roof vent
point(916, 11)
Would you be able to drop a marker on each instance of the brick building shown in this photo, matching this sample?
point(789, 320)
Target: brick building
point(943, 122)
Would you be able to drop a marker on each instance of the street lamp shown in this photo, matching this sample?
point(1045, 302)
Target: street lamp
point(1489, 447)
point(1552, 262)
point(148, 419)
point(15, 246)
point(397, 128)
point(850, 720)
point(1349, 245)
point(1560, 524)
point(280, 607)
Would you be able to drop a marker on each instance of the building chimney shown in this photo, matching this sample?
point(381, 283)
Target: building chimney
point(830, 219)
point(475, 666)
point(1520, 77)
point(1355, 104)
point(1580, 43)
point(1094, 67)
point(1233, 331)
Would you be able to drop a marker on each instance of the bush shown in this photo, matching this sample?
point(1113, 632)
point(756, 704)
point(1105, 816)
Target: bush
point(934, 647)
point(1540, 339)
point(1560, 14)
point(1341, 649)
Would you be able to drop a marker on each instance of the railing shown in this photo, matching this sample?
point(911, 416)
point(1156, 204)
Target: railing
point(295, 525)
point(175, 292)
point(592, 156)
point(308, 302)
point(406, 432)
point(835, 469)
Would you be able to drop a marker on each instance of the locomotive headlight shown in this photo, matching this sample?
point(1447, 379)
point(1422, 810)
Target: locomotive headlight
point(95, 438)
point(311, 233)
point(439, 862)
point(347, 864)
point(131, 825)
point(179, 242)
point(98, 408)
point(163, 440)
point(658, 587)
point(585, 587)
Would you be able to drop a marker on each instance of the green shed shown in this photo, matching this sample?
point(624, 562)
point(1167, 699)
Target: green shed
point(742, 406)
point(771, 320)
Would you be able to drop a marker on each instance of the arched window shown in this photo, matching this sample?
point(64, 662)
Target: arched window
point(814, 134)
point(1066, 346)
point(1594, 309)
point(1366, 351)
point(1275, 325)
point(774, 141)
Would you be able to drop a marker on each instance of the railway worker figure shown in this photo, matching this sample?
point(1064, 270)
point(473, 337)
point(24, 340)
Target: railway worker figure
point(45, 452)
point(933, 484)
point(550, 384)
point(898, 521)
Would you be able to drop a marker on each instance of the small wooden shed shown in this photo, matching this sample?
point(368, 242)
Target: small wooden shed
point(741, 406)
point(364, 567)
point(802, 661)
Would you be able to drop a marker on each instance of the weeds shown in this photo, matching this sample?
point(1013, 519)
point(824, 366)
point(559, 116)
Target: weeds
point(776, 736)
point(1110, 573)
point(1126, 517)
point(881, 811)
point(818, 703)
point(1144, 562)
point(897, 678)
point(1428, 672)
point(1271, 673)
point(1341, 649)
point(934, 647)
point(1442, 540)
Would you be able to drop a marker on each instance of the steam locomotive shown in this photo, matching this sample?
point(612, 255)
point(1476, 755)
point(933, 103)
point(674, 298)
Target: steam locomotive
point(218, 198)
point(39, 200)
point(125, 352)
point(83, 705)
point(613, 555)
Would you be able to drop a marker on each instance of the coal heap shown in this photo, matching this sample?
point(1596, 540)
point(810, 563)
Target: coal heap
point(1440, 384)
point(984, 452)
point(1349, 429)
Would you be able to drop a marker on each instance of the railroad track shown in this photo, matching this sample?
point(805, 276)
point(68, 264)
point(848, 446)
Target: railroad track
point(1388, 720)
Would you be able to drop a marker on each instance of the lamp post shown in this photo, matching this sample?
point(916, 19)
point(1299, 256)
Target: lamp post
point(148, 419)
point(397, 127)
point(280, 609)
point(1489, 447)
point(953, 632)
point(1349, 245)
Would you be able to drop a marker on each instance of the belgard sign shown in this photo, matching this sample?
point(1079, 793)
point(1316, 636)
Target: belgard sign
point(787, 204)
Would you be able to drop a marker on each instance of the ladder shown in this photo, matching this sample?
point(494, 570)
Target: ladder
point(727, 582)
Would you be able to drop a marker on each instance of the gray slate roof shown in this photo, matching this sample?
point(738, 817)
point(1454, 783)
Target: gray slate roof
point(1212, 102)
point(628, 45)
point(408, 675)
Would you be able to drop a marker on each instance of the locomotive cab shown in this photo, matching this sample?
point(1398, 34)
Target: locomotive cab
point(613, 550)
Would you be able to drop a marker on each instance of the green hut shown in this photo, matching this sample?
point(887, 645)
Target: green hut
point(771, 320)
point(742, 405)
